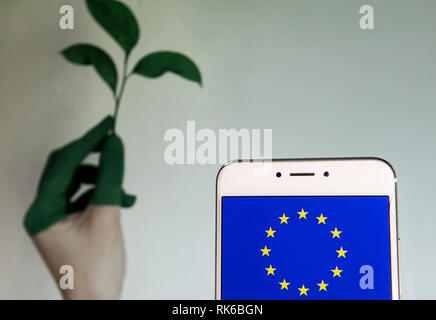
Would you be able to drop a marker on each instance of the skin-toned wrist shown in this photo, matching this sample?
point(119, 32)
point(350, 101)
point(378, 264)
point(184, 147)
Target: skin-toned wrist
point(88, 292)
point(91, 244)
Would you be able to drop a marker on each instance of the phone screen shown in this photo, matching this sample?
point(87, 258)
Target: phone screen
point(306, 247)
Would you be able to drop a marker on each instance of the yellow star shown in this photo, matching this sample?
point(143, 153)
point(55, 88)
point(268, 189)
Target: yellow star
point(341, 253)
point(284, 219)
point(337, 272)
point(270, 232)
point(265, 251)
point(321, 219)
point(322, 285)
point(303, 290)
point(270, 270)
point(336, 233)
point(302, 214)
point(284, 284)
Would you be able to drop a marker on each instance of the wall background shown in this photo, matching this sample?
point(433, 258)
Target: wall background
point(302, 68)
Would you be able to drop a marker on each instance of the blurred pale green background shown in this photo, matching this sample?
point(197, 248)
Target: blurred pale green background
point(303, 68)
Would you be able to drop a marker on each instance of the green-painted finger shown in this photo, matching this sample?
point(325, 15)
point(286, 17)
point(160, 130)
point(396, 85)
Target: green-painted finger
point(99, 147)
point(84, 200)
point(128, 200)
point(80, 148)
point(84, 174)
point(41, 215)
point(110, 176)
point(81, 203)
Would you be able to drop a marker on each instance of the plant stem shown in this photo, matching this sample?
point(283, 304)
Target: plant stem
point(120, 93)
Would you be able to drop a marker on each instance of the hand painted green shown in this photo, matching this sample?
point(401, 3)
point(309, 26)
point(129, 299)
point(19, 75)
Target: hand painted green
point(86, 54)
point(120, 22)
point(64, 173)
point(156, 64)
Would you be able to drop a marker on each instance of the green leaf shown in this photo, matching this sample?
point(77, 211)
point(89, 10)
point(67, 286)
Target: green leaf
point(156, 64)
point(117, 19)
point(86, 54)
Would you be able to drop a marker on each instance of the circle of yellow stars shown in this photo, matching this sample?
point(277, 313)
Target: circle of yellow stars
point(336, 272)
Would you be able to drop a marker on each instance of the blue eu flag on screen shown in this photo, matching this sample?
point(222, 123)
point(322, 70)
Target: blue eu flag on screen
point(306, 247)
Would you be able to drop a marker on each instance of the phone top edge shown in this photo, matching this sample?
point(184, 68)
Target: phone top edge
point(229, 163)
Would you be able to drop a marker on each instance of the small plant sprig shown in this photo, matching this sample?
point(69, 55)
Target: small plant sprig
point(119, 21)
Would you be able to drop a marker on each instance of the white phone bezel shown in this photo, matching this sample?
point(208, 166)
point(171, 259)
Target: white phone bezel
point(347, 177)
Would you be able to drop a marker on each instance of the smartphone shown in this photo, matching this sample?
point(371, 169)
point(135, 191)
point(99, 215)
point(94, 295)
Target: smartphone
point(307, 229)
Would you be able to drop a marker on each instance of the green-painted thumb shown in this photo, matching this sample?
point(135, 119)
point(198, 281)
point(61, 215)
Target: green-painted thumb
point(108, 190)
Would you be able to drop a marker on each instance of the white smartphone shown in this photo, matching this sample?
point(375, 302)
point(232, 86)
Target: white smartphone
point(307, 229)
